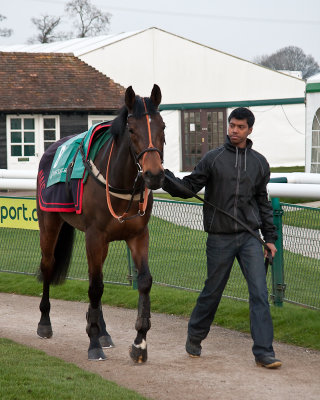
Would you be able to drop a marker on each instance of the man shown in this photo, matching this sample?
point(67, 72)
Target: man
point(235, 178)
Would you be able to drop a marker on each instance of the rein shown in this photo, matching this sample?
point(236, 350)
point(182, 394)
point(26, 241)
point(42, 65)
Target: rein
point(268, 260)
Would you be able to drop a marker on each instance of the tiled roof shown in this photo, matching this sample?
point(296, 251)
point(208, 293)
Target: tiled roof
point(54, 82)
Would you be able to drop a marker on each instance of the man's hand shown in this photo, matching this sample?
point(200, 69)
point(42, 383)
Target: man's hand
point(272, 248)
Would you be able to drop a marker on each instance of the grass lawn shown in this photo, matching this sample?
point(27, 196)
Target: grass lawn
point(31, 374)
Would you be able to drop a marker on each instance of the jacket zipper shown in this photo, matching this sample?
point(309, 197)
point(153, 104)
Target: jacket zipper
point(237, 190)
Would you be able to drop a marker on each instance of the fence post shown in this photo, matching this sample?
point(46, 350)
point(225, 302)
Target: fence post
point(278, 285)
point(132, 276)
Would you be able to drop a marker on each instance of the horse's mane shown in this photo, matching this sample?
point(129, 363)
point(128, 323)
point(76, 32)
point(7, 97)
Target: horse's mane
point(119, 123)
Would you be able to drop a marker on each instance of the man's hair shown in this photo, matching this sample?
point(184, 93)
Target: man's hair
point(242, 113)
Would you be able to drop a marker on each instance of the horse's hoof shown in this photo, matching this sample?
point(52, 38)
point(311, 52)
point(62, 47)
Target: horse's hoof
point(106, 341)
point(138, 354)
point(44, 331)
point(96, 354)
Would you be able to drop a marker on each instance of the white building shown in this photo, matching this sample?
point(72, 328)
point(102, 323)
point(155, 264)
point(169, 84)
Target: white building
point(200, 87)
point(313, 124)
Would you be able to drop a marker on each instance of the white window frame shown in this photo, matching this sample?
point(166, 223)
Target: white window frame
point(57, 123)
point(101, 118)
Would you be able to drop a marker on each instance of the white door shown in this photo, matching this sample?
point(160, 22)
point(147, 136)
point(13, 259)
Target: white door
point(28, 136)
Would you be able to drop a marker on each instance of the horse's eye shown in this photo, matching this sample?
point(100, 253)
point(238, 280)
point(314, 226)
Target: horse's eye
point(131, 130)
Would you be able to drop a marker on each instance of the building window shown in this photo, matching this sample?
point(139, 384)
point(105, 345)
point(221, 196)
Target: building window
point(202, 130)
point(49, 131)
point(22, 137)
point(315, 149)
point(96, 119)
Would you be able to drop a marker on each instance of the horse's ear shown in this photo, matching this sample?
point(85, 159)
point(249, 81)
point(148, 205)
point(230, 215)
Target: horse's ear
point(129, 98)
point(156, 95)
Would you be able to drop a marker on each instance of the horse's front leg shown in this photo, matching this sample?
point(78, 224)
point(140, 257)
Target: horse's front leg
point(104, 338)
point(139, 251)
point(96, 254)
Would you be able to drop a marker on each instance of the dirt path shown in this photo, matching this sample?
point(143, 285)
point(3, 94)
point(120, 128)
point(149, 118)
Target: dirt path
point(226, 370)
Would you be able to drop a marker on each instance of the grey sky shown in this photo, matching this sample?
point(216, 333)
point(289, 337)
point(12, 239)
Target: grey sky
point(244, 28)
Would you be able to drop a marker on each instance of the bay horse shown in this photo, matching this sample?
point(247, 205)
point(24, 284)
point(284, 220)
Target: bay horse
point(134, 160)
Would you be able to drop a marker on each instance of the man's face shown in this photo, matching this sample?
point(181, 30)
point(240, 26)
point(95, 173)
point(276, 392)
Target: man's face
point(238, 131)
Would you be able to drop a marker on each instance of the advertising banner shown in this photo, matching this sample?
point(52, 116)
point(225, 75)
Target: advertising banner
point(19, 213)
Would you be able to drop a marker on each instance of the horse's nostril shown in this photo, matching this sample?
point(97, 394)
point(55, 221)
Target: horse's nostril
point(147, 175)
point(153, 181)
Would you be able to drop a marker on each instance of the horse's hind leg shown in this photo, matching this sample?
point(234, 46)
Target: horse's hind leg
point(50, 225)
point(139, 251)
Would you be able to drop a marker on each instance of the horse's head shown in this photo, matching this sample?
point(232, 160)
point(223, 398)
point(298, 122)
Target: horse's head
point(146, 129)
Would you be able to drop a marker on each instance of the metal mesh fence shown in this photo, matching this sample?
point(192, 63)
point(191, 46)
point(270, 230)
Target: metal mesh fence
point(178, 249)
point(20, 253)
point(177, 254)
point(301, 249)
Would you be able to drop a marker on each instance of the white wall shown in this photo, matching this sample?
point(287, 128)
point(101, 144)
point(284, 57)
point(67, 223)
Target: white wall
point(189, 72)
point(172, 148)
point(279, 134)
point(128, 62)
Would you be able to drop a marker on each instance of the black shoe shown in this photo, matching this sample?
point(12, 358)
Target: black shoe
point(268, 362)
point(193, 347)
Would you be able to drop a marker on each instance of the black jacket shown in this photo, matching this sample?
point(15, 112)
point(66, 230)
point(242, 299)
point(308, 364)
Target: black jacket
point(235, 180)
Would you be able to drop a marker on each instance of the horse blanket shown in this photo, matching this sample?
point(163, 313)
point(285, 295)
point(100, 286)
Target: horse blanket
point(54, 193)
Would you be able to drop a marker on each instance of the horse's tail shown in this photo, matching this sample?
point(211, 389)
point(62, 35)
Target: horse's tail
point(62, 254)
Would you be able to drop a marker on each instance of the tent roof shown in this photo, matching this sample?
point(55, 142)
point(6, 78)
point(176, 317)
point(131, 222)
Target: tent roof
point(77, 46)
point(314, 78)
point(82, 46)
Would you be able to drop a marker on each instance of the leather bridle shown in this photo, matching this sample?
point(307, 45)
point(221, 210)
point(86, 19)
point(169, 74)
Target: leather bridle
point(143, 196)
point(150, 146)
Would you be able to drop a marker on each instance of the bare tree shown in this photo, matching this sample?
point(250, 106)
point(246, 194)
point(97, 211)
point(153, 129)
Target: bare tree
point(90, 21)
point(290, 58)
point(5, 32)
point(46, 26)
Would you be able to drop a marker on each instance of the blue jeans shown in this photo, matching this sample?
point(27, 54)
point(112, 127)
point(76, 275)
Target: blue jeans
point(222, 249)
